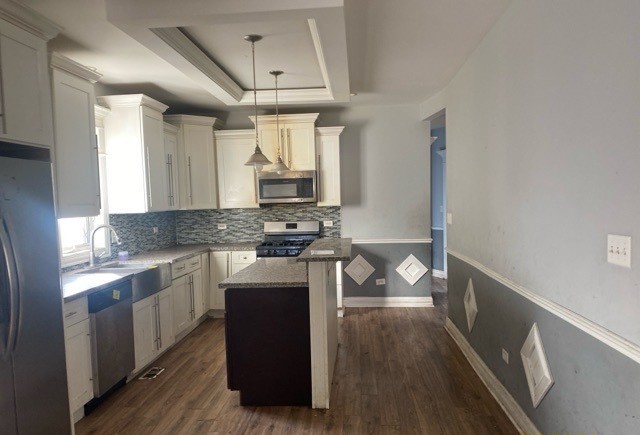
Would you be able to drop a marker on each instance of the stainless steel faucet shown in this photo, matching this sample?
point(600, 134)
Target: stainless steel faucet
point(92, 256)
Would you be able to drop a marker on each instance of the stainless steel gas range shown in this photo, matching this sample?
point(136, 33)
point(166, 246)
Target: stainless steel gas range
point(287, 239)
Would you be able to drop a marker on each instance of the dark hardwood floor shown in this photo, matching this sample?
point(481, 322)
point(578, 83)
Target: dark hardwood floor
point(398, 372)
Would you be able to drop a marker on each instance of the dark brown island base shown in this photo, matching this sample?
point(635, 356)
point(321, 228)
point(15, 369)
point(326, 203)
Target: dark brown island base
point(279, 313)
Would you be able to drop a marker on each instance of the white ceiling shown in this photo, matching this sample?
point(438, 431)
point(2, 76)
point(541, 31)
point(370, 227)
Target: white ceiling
point(398, 51)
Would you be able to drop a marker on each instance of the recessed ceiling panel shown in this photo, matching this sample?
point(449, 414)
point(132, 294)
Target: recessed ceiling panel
point(286, 46)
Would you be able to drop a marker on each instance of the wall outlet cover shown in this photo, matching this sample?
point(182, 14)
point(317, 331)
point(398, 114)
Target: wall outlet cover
point(327, 223)
point(505, 356)
point(381, 281)
point(222, 226)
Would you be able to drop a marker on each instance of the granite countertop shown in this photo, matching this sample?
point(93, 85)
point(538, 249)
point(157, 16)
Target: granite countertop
point(271, 272)
point(77, 285)
point(180, 252)
point(341, 250)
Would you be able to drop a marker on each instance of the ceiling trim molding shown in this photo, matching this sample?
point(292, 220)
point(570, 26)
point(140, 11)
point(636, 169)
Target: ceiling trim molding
point(315, 36)
point(63, 63)
point(132, 100)
point(29, 20)
point(288, 96)
point(178, 41)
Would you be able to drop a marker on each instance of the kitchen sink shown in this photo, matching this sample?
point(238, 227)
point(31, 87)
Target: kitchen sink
point(147, 280)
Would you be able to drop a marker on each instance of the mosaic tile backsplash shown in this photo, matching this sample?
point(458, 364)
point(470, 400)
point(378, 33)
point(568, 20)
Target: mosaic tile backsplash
point(246, 224)
point(136, 231)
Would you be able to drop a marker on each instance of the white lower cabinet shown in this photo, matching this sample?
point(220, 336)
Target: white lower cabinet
point(188, 293)
point(223, 264)
point(152, 327)
point(77, 337)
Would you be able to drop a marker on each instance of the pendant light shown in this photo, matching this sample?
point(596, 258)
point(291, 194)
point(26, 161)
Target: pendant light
point(279, 166)
point(257, 159)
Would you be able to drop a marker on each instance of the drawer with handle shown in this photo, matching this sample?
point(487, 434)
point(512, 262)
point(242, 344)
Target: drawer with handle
point(243, 257)
point(75, 311)
point(183, 267)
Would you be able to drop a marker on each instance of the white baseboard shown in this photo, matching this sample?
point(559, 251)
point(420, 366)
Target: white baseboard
point(438, 273)
point(388, 301)
point(515, 413)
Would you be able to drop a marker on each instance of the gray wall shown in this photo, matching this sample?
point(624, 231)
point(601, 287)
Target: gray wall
point(542, 126)
point(596, 390)
point(385, 258)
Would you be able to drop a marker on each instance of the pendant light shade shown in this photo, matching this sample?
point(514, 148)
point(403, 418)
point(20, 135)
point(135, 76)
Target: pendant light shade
point(257, 159)
point(279, 166)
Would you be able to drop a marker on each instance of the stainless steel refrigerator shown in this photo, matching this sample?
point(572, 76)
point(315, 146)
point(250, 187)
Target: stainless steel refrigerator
point(33, 378)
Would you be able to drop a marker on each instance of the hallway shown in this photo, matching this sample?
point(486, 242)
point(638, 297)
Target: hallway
point(398, 372)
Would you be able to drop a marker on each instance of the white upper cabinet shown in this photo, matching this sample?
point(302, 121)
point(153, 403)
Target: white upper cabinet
point(236, 182)
point(196, 160)
point(76, 147)
point(171, 161)
point(328, 165)
point(25, 96)
point(136, 162)
point(297, 139)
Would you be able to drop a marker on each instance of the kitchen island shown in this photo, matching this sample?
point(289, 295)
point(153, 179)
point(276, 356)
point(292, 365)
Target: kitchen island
point(282, 327)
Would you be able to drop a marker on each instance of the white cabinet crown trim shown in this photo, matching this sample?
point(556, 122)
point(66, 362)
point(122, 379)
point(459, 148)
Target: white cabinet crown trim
point(101, 112)
point(329, 131)
point(286, 119)
point(235, 134)
point(29, 20)
point(195, 120)
point(170, 128)
point(132, 100)
point(72, 67)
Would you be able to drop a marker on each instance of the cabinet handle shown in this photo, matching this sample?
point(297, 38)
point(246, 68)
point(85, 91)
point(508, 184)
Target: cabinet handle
point(73, 313)
point(190, 182)
point(289, 152)
point(195, 263)
point(170, 179)
point(99, 195)
point(282, 142)
point(182, 267)
point(149, 179)
point(319, 178)
point(228, 265)
point(158, 326)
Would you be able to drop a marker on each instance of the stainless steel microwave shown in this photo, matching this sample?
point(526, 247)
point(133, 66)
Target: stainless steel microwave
point(286, 187)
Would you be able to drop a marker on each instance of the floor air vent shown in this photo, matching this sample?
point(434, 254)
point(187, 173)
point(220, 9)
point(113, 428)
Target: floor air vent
point(152, 373)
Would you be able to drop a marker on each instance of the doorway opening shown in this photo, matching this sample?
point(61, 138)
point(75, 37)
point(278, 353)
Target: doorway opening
point(439, 195)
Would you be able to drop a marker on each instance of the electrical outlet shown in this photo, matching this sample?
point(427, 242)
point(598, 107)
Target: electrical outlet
point(505, 356)
point(449, 218)
point(222, 226)
point(381, 281)
point(155, 230)
point(619, 250)
point(327, 223)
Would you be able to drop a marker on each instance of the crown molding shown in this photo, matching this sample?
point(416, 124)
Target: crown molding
point(170, 128)
point(315, 36)
point(179, 42)
point(235, 134)
point(132, 100)
point(29, 20)
point(63, 63)
point(291, 118)
point(208, 121)
point(329, 131)
point(101, 112)
point(288, 96)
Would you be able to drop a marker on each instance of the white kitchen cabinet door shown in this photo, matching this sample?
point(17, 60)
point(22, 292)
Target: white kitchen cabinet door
point(241, 259)
point(198, 295)
point(144, 331)
point(153, 140)
point(78, 356)
point(328, 165)
point(236, 182)
point(300, 150)
point(76, 147)
point(268, 139)
point(26, 93)
point(181, 304)
point(165, 309)
point(171, 162)
point(220, 270)
point(196, 161)
point(134, 142)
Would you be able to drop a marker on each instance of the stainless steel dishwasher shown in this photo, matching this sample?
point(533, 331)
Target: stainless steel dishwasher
point(112, 349)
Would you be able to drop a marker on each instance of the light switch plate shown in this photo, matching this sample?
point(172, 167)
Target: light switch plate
point(619, 250)
point(381, 281)
point(327, 223)
point(449, 218)
point(222, 226)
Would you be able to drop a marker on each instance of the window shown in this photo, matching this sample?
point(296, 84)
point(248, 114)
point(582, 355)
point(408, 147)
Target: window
point(74, 233)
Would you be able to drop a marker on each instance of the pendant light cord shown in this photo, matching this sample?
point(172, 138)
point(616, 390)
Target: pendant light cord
point(277, 117)
point(255, 94)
